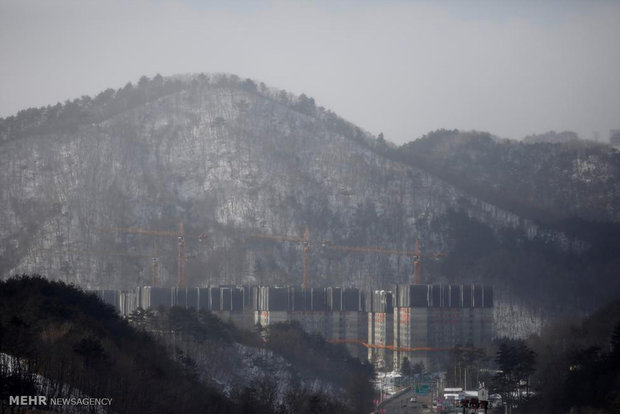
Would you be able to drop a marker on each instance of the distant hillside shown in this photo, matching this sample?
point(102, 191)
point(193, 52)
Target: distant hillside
point(552, 137)
point(546, 177)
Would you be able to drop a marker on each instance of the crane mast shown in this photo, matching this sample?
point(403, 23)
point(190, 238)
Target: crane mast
point(415, 254)
point(180, 236)
point(305, 243)
point(181, 257)
point(155, 269)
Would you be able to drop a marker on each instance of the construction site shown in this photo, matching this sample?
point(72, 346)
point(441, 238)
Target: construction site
point(421, 322)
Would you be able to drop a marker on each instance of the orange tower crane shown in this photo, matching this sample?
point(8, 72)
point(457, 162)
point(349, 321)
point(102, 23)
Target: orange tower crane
point(180, 236)
point(415, 254)
point(304, 241)
point(307, 243)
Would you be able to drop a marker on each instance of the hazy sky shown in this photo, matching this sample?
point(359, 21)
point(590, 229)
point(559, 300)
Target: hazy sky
point(399, 67)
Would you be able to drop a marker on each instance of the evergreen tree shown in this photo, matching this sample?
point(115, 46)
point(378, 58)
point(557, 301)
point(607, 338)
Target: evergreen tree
point(405, 367)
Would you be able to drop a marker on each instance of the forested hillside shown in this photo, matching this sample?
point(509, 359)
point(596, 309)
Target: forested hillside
point(544, 178)
point(58, 341)
point(578, 365)
point(80, 347)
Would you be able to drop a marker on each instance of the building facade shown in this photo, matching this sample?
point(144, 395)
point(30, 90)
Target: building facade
point(420, 322)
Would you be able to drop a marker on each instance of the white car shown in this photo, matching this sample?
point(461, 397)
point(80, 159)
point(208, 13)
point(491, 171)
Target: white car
point(413, 399)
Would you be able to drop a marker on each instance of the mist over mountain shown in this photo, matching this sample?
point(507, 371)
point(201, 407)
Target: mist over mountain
point(232, 158)
point(545, 177)
point(552, 137)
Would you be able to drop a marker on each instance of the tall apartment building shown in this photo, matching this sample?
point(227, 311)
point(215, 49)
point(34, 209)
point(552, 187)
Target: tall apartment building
point(431, 319)
point(420, 322)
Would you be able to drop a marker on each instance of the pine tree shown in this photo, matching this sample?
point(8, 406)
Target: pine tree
point(405, 367)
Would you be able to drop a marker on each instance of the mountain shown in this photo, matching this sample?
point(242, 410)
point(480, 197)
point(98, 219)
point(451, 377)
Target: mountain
point(547, 177)
point(233, 158)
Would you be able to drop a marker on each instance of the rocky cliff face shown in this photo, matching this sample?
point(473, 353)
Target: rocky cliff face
point(230, 159)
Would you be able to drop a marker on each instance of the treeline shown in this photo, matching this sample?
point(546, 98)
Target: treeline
point(67, 117)
point(57, 341)
point(208, 349)
point(577, 365)
point(571, 367)
point(544, 182)
point(314, 356)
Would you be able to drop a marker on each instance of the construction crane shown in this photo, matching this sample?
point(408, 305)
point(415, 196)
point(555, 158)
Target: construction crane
point(155, 265)
point(153, 256)
point(180, 236)
point(416, 254)
point(304, 241)
point(307, 243)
